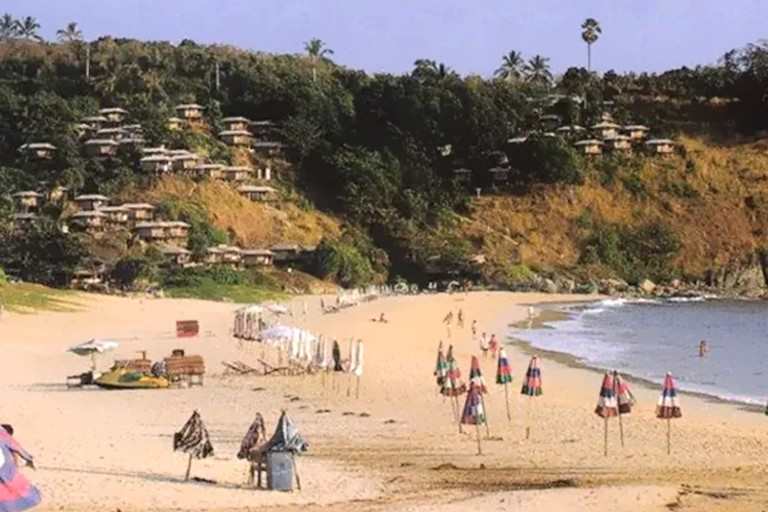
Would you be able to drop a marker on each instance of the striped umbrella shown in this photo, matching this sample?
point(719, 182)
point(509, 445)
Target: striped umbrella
point(607, 406)
point(504, 377)
point(476, 376)
point(441, 366)
point(16, 493)
point(531, 388)
point(193, 439)
point(668, 406)
point(625, 399)
point(452, 384)
point(474, 412)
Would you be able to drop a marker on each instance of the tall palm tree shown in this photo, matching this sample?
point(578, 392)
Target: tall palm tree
point(590, 32)
point(317, 51)
point(27, 28)
point(511, 69)
point(537, 71)
point(70, 34)
point(8, 27)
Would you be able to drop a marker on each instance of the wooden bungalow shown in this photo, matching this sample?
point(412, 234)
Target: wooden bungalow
point(38, 150)
point(184, 162)
point(95, 122)
point(549, 122)
point(134, 129)
point(264, 174)
point(86, 279)
point(58, 194)
point(236, 123)
point(268, 148)
point(90, 221)
point(114, 116)
point(286, 253)
point(27, 201)
point(159, 150)
point(190, 112)
point(111, 133)
point(661, 146)
point(88, 202)
point(236, 173)
point(569, 131)
point(223, 255)
point(263, 130)
point(606, 129)
point(151, 231)
point(517, 140)
point(131, 141)
point(101, 147)
point(175, 255)
point(619, 143)
point(116, 215)
point(636, 132)
point(257, 193)
point(256, 257)
point(174, 124)
point(236, 137)
point(177, 231)
point(590, 146)
point(156, 164)
point(208, 171)
point(22, 221)
point(139, 212)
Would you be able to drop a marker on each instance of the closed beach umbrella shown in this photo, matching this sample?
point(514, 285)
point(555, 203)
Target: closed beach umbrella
point(441, 366)
point(452, 384)
point(16, 493)
point(531, 387)
point(193, 439)
point(358, 369)
point(668, 406)
point(474, 412)
point(504, 377)
point(607, 406)
point(336, 354)
point(625, 399)
point(477, 381)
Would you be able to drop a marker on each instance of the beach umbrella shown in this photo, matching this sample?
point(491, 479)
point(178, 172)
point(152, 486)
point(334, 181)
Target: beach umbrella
point(337, 367)
point(350, 366)
point(474, 412)
point(477, 381)
point(625, 399)
point(92, 348)
point(531, 387)
point(16, 493)
point(504, 377)
point(452, 384)
point(194, 440)
point(249, 446)
point(358, 369)
point(287, 439)
point(607, 406)
point(441, 366)
point(668, 406)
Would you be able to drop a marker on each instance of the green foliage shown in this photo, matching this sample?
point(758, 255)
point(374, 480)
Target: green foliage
point(545, 160)
point(681, 189)
point(128, 271)
point(220, 283)
point(202, 232)
point(3, 277)
point(343, 263)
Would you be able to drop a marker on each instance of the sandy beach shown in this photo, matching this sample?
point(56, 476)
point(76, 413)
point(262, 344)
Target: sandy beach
point(395, 448)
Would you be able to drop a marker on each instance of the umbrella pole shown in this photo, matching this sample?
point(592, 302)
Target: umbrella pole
point(506, 399)
point(458, 413)
point(528, 419)
point(605, 438)
point(621, 430)
point(669, 436)
point(189, 468)
point(487, 428)
point(357, 388)
point(479, 441)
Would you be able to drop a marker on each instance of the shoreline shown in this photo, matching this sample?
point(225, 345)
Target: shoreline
point(548, 313)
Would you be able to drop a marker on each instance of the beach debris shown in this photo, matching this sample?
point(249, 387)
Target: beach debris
point(668, 406)
point(16, 493)
point(474, 412)
point(239, 367)
point(389, 422)
point(607, 406)
point(441, 366)
point(531, 388)
point(504, 377)
point(364, 415)
point(477, 381)
point(194, 440)
point(625, 399)
point(452, 384)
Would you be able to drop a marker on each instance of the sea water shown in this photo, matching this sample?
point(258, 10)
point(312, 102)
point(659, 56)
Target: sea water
point(647, 338)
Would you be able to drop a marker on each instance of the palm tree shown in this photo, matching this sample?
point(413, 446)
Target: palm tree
point(27, 28)
point(424, 69)
point(8, 27)
point(511, 69)
point(590, 32)
point(537, 71)
point(317, 51)
point(69, 34)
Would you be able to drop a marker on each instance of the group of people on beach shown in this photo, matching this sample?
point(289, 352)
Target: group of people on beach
point(487, 345)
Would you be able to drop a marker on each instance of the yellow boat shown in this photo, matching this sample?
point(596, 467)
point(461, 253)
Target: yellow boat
point(122, 378)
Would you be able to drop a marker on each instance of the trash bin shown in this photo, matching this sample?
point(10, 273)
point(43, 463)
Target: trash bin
point(280, 471)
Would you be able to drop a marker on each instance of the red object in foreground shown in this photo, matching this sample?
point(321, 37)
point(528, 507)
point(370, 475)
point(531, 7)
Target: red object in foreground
point(187, 328)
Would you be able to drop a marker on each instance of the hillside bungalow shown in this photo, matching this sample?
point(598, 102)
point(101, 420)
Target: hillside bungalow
point(184, 162)
point(136, 142)
point(101, 147)
point(139, 212)
point(661, 146)
point(619, 143)
point(549, 122)
point(590, 146)
point(174, 124)
point(570, 130)
point(58, 194)
point(111, 133)
point(257, 193)
point(236, 137)
point(607, 116)
point(264, 174)
point(95, 122)
point(256, 257)
point(177, 231)
point(223, 255)
point(636, 131)
point(235, 173)
point(22, 221)
point(151, 231)
point(263, 130)
point(175, 255)
point(116, 215)
point(236, 123)
point(85, 279)
point(268, 148)
point(606, 129)
point(113, 115)
point(156, 164)
point(135, 130)
point(27, 201)
point(92, 221)
point(208, 171)
point(38, 150)
point(286, 253)
point(159, 150)
point(88, 202)
point(517, 140)
point(190, 112)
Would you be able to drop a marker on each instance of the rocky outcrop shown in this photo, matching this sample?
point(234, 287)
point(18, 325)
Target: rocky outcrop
point(747, 277)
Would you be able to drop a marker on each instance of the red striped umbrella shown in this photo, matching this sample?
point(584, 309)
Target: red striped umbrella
point(668, 406)
point(452, 384)
point(625, 399)
point(474, 412)
point(504, 377)
point(607, 406)
point(476, 376)
point(531, 387)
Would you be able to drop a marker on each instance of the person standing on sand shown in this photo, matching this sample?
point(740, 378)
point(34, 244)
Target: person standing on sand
point(703, 348)
point(474, 328)
point(493, 345)
point(460, 319)
point(448, 318)
point(484, 346)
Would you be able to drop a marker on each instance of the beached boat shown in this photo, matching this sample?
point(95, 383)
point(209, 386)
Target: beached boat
point(123, 378)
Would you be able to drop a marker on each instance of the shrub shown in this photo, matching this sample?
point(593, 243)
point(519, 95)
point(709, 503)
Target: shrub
point(202, 232)
point(343, 263)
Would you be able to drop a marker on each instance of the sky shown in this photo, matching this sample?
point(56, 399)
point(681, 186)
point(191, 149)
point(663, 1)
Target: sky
point(470, 36)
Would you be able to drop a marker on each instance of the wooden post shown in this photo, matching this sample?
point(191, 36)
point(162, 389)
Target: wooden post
point(479, 442)
point(621, 430)
point(669, 436)
point(605, 438)
point(189, 468)
point(506, 399)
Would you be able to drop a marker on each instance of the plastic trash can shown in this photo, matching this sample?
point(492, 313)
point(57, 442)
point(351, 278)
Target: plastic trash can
point(280, 471)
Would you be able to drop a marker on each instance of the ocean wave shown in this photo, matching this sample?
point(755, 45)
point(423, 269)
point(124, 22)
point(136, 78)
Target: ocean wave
point(686, 299)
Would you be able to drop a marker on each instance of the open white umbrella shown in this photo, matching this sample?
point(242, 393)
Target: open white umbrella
point(93, 347)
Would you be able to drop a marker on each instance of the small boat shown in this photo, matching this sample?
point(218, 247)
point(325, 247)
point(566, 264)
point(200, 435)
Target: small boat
point(123, 378)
